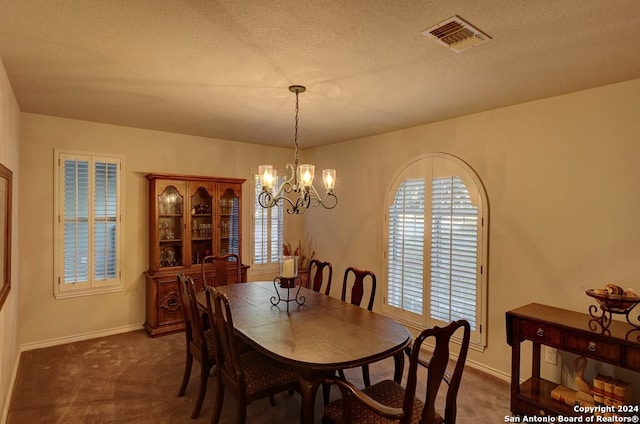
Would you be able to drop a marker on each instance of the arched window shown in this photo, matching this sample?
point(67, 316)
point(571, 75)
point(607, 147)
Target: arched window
point(436, 228)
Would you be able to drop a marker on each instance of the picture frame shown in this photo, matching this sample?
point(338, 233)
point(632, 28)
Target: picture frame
point(6, 189)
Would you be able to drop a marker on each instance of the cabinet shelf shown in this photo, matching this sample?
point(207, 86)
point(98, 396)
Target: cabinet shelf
point(537, 392)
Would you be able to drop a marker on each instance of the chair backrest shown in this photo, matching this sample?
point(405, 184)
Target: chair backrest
point(356, 278)
point(318, 277)
point(221, 266)
point(221, 321)
point(437, 366)
point(192, 319)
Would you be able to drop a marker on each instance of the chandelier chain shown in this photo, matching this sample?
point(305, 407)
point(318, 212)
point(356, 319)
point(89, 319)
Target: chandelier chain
point(295, 134)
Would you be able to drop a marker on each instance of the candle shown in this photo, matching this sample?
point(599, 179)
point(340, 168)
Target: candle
point(288, 269)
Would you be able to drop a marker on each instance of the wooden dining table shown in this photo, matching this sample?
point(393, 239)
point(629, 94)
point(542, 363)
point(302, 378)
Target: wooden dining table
point(317, 338)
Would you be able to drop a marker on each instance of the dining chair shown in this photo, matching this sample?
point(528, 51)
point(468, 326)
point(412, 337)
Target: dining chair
point(388, 400)
point(221, 266)
point(199, 342)
point(356, 279)
point(248, 376)
point(320, 274)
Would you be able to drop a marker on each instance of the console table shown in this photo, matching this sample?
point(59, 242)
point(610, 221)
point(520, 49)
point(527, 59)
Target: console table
point(568, 331)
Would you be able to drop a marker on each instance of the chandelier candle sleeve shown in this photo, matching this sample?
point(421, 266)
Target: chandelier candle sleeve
point(329, 177)
point(267, 176)
point(306, 175)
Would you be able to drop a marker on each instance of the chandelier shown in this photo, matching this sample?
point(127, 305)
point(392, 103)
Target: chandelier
point(296, 192)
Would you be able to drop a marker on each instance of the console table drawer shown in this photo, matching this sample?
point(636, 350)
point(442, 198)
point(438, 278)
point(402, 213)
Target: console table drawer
point(603, 350)
point(541, 333)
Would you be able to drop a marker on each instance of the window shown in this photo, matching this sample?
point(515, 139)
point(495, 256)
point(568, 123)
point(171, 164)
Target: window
point(88, 224)
point(436, 229)
point(268, 231)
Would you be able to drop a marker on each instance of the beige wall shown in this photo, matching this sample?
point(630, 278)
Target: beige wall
point(9, 346)
point(560, 173)
point(562, 179)
point(45, 320)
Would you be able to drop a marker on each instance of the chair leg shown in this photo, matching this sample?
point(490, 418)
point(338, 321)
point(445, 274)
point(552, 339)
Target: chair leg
point(326, 393)
point(241, 412)
point(202, 390)
point(365, 376)
point(217, 406)
point(187, 373)
point(272, 400)
point(341, 374)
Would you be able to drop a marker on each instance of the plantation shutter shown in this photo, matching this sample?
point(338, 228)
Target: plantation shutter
point(277, 229)
point(105, 220)
point(88, 217)
point(234, 227)
point(406, 247)
point(76, 221)
point(454, 255)
point(268, 229)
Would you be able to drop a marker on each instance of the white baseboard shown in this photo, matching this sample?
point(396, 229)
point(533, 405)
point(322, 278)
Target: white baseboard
point(79, 337)
point(489, 370)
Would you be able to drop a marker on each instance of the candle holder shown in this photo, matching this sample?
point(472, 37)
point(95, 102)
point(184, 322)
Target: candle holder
point(288, 279)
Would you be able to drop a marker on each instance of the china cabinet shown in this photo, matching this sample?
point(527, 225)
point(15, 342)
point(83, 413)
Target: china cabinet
point(190, 218)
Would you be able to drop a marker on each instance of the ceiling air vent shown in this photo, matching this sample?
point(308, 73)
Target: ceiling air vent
point(457, 34)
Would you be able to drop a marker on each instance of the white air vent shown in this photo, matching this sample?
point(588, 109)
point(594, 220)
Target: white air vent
point(457, 34)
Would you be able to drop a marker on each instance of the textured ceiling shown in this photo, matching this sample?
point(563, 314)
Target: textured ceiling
point(221, 68)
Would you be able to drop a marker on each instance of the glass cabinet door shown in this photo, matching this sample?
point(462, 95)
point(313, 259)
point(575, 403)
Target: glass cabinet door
point(229, 233)
point(170, 219)
point(201, 227)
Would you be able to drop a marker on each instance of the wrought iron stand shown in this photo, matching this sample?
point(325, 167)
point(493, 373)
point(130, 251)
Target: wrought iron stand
point(287, 283)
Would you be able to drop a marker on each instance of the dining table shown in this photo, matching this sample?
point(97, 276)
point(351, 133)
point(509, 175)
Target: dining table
point(316, 334)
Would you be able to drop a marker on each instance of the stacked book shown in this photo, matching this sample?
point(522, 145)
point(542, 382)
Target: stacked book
point(611, 393)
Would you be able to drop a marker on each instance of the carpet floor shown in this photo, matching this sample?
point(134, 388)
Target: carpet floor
point(132, 378)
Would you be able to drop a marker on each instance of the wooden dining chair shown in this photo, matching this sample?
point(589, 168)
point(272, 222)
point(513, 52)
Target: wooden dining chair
point(247, 376)
point(356, 279)
point(221, 265)
point(388, 400)
point(320, 275)
point(199, 342)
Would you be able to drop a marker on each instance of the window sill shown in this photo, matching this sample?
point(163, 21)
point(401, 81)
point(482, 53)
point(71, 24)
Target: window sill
point(87, 292)
point(416, 328)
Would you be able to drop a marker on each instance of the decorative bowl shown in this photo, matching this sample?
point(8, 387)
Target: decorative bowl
point(620, 304)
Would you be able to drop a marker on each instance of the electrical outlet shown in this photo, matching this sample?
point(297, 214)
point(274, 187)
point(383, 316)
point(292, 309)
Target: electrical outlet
point(550, 355)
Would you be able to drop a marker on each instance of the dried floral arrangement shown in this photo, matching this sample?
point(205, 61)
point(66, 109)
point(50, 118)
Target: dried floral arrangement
point(304, 252)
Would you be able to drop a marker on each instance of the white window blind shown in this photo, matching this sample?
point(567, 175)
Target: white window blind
point(105, 220)
point(76, 221)
point(268, 230)
point(88, 217)
point(454, 239)
point(436, 246)
point(406, 248)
